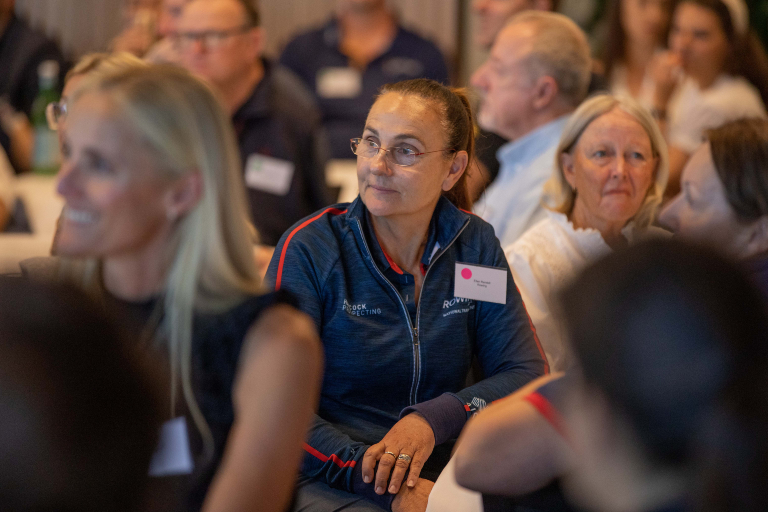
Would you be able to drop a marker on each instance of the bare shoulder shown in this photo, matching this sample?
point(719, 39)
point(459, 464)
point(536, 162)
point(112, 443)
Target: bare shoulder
point(283, 327)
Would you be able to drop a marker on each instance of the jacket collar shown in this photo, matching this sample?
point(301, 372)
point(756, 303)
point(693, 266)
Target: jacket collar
point(447, 222)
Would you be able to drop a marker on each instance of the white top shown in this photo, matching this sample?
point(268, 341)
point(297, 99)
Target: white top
point(692, 111)
point(545, 259)
point(512, 204)
point(619, 86)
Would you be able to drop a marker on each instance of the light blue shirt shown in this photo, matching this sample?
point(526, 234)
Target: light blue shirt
point(512, 203)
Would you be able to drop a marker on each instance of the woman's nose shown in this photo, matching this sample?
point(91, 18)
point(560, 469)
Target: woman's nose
point(378, 163)
point(66, 184)
point(619, 168)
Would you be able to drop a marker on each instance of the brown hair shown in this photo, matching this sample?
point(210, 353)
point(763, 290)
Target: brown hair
point(740, 155)
point(615, 44)
point(747, 56)
point(458, 124)
point(252, 16)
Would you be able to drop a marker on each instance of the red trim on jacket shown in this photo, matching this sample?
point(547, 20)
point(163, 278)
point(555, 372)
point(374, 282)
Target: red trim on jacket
point(549, 412)
point(301, 226)
point(391, 261)
point(333, 457)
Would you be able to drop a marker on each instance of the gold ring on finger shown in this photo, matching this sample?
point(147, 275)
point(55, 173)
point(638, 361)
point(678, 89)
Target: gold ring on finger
point(390, 453)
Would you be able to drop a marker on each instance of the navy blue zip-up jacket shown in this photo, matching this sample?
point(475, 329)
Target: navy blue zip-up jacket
point(386, 357)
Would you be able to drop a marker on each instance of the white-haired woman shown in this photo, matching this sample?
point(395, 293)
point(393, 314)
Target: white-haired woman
point(611, 171)
point(155, 224)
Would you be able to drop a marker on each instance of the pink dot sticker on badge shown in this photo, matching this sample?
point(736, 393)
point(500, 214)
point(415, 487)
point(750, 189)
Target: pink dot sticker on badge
point(466, 273)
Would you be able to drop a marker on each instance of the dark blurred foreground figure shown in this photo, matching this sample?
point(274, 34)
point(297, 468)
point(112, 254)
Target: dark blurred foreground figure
point(79, 415)
point(673, 411)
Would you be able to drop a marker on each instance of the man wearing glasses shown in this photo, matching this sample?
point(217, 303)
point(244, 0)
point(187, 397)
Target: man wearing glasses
point(277, 123)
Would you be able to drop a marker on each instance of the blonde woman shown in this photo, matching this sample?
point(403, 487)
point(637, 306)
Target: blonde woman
point(155, 224)
point(611, 171)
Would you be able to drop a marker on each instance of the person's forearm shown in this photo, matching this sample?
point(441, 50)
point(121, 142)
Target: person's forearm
point(510, 448)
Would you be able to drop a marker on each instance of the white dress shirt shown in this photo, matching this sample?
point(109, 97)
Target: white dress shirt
point(512, 203)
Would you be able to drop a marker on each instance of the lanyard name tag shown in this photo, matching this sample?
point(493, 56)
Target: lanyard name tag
point(339, 83)
point(268, 174)
point(172, 455)
point(488, 284)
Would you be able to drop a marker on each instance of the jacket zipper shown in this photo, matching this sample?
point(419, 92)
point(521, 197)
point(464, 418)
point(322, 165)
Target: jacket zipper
point(417, 348)
point(414, 330)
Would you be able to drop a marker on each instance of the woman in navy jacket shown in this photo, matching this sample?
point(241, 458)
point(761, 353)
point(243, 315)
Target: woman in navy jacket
point(377, 275)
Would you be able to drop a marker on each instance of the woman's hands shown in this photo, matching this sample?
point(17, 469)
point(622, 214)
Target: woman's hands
point(411, 436)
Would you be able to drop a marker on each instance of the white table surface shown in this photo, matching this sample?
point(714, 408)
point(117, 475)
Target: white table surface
point(43, 207)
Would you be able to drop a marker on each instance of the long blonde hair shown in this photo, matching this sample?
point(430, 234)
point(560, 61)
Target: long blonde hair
point(211, 267)
point(559, 196)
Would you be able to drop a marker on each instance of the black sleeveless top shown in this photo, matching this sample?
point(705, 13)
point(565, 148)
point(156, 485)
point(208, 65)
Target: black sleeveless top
point(217, 340)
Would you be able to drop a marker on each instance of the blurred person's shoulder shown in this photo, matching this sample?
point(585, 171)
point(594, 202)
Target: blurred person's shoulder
point(290, 96)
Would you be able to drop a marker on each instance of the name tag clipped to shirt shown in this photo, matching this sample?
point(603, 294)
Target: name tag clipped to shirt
point(488, 284)
point(339, 83)
point(172, 455)
point(269, 174)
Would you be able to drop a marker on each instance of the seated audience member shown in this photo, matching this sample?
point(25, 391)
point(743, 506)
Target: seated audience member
point(537, 74)
point(380, 277)
point(346, 61)
point(723, 199)
point(278, 128)
point(165, 49)
point(140, 28)
point(672, 414)
point(80, 414)
point(22, 50)
point(637, 33)
point(155, 224)
point(492, 15)
point(715, 71)
point(612, 169)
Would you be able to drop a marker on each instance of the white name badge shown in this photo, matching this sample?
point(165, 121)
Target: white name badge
point(488, 284)
point(339, 83)
point(172, 455)
point(268, 174)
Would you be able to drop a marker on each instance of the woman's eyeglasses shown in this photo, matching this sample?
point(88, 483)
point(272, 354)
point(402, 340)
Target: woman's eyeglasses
point(398, 155)
point(55, 113)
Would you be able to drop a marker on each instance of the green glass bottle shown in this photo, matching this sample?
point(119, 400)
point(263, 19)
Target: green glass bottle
point(45, 157)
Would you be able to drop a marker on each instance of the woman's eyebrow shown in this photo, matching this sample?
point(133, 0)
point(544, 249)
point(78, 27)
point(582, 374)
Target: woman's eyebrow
point(406, 136)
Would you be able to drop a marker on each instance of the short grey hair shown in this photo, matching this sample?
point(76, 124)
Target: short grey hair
point(558, 193)
point(560, 50)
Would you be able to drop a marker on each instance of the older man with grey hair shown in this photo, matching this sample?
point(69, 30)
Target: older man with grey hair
point(537, 73)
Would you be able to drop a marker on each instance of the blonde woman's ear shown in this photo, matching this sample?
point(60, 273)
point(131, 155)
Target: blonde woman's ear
point(566, 162)
point(183, 195)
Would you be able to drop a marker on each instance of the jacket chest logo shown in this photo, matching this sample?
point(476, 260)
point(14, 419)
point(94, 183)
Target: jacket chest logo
point(457, 305)
point(359, 309)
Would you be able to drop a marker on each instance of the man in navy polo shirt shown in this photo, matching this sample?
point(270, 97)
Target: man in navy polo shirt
point(281, 140)
point(346, 61)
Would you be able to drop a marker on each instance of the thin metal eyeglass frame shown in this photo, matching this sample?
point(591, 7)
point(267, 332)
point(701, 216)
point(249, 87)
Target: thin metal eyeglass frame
point(187, 39)
point(356, 142)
